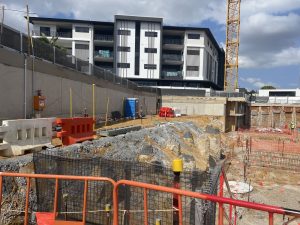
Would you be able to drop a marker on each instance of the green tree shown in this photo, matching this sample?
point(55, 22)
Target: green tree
point(51, 41)
point(268, 87)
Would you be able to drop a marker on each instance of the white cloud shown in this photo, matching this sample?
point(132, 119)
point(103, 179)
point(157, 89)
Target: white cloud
point(270, 31)
point(269, 37)
point(173, 11)
point(254, 82)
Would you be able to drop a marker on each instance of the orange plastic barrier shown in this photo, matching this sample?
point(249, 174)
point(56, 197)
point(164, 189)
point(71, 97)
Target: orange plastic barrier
point(75, 130)
point(44, 218)
point(166, 112)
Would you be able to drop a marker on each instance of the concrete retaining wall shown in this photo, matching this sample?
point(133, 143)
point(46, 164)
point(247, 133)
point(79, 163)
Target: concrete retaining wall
point(210, 106)
point(274, 115)
point(55, 82)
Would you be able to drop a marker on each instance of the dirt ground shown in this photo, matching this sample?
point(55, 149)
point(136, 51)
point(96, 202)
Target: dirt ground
point(200, 121)
point(270, 186)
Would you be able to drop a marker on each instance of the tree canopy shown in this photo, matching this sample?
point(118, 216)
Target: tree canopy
point(268, 87)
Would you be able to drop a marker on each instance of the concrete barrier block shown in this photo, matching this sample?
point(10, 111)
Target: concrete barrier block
point(26, 134)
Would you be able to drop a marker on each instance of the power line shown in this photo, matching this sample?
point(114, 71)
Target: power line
point(17, 10)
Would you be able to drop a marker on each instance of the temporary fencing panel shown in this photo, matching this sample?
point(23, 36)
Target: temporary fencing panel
point(276, 145)
point(130, 198)
point(53, 203)
point(75, 130)
point(279, 153)
point(116, 215)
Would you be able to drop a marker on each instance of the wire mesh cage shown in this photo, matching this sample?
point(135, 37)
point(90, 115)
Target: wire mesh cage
point(160, 205)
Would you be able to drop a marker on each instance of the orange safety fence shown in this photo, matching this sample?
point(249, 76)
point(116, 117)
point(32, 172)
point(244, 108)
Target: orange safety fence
point(57, 178)
point(271, 210)
point(276, 145)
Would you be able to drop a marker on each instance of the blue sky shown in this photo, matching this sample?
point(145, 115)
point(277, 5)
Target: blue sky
point(270, 29)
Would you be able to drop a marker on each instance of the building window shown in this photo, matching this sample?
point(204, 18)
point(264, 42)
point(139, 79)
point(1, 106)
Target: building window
point(123, 65)
point(192, 68)
point(82, 29)
point(123, 49)
point(193, 52)
point(123, 32)
point(150, 34)
point(137, 48)
point(150, 66)
point(81, 46)
point(150, 50)
point(193, 36)
point(45, 31)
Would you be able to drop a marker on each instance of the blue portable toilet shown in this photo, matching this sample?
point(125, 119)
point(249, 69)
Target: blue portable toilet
point(131, 108)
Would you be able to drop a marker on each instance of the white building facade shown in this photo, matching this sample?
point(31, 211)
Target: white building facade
point(281, 96)
point(139, 48)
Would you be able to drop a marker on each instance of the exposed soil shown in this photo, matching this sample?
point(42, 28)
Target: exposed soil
point(271, 186)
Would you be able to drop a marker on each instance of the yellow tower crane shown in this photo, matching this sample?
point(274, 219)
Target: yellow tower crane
point(232, 45)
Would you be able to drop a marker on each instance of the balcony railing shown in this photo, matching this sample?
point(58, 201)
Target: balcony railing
point(173, 75)
point(173, 41)
point(103, 37)
point(53, 34)
point(64, 34)
point(173, 57)
point(104, 53)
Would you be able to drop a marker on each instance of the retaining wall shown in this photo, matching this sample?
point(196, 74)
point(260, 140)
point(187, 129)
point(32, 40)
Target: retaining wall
point(192, 105)
point(55, 83)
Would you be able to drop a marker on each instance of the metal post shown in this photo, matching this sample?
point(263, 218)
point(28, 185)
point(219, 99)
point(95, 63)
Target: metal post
point(27, 201)
point(25, 87)
point(107, 210)
point(115, 205)
point(84, 201)
point(71, 104)
point(21, 42)
point(221, 209)
point(2, 21)
point(1, 183)
point(94, 117)
point(28, 32)
point(177, 204)
point(145, 207)
point(271, 219)
point(54, 54)
point(55, 198)
point(106, 116)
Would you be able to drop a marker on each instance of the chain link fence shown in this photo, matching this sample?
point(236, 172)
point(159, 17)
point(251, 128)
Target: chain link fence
point(160, 204)
point(18, 41)
point(226, 94)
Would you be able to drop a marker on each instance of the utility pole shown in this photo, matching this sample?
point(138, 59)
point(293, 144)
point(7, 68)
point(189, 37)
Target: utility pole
point(2, 22)
point(30, 51)
point(28, 31)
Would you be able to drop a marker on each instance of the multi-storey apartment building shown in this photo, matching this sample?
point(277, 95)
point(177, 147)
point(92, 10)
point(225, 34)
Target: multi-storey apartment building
point(141, 49)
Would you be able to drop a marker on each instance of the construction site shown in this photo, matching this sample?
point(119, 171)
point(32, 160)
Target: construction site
point(83, 143)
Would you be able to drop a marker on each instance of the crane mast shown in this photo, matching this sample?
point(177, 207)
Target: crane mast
point(232, 45)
